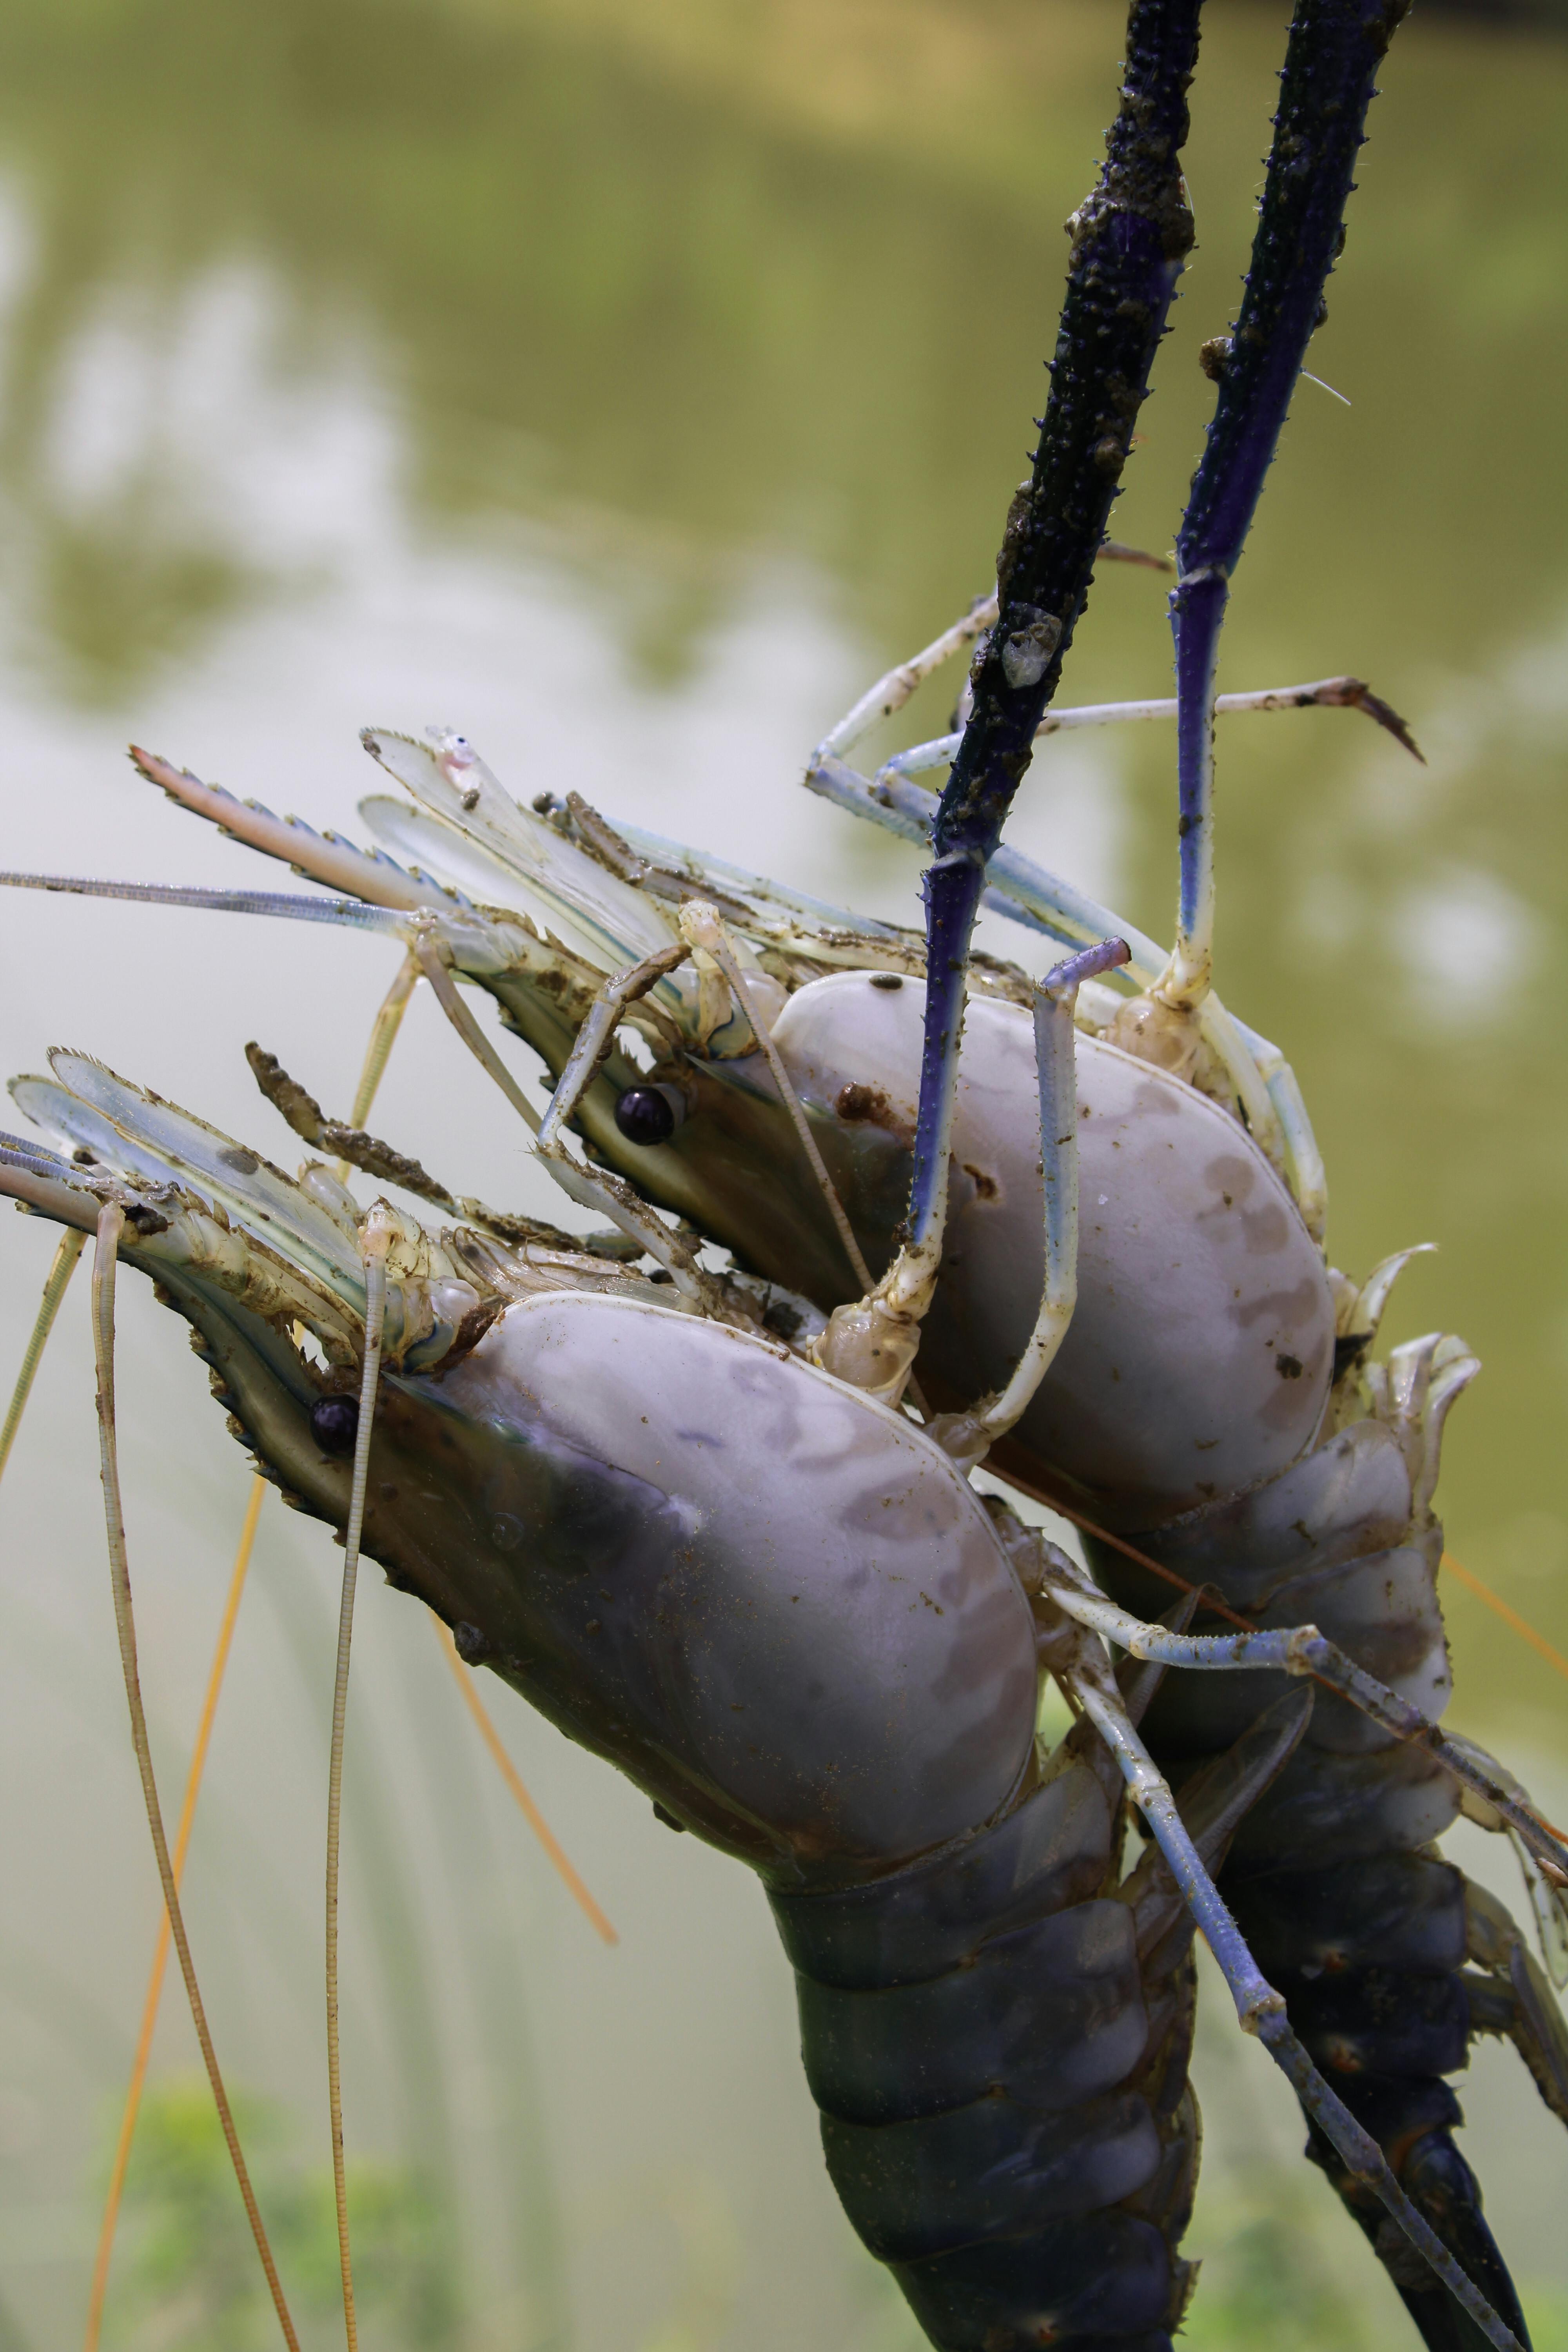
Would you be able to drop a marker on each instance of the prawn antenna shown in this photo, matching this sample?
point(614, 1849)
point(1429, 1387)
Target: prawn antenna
point(374, 1245)
point(111, 1224)
point(67, 1251)
point(560, 1860)
point(154, 1992)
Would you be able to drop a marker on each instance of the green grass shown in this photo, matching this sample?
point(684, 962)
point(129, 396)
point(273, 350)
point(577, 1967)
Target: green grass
point(189, 2280)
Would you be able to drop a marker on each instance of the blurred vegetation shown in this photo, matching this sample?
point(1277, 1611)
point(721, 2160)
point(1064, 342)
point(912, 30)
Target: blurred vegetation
point(1267, 2284)
point(693, 274)
point(187, 2279)
point(1271, 2280)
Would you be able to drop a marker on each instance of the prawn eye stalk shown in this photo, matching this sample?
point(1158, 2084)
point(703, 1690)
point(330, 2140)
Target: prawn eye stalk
point(720, 1527)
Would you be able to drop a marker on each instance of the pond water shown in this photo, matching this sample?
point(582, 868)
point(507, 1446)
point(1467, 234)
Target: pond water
point(628, 387)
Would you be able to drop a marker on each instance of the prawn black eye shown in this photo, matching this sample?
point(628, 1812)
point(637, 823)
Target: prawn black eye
point(648, 1114)
point(334, 1423)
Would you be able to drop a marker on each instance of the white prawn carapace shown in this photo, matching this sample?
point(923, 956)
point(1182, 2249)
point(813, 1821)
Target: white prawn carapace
point(777, 1603)
point(1200, 1350)
point(1202, 1347)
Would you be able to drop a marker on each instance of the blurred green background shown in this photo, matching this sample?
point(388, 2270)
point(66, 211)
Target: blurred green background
point(628, 386)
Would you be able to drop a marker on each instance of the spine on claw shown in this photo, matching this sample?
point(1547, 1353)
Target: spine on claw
point(1129, 241)
point(1334, 49)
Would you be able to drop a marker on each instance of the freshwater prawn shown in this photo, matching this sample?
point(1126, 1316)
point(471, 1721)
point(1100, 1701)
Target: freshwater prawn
point(995, 2012)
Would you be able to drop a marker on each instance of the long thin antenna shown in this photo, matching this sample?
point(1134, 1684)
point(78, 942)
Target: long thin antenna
point(67, 1252)
point(373, 1244)
point(110, 1223)
point(513, 1778)
point(160, 1950)
point(383, 1037)
point(1511, 1617)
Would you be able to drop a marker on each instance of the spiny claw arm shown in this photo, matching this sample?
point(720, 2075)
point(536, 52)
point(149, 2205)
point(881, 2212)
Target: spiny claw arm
point(1128, 242)
point(1334, 52)
point(1302, 1650)
point(1259, 2009)
point(1025, 893)
point(1322, 694)
point(892, 690)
